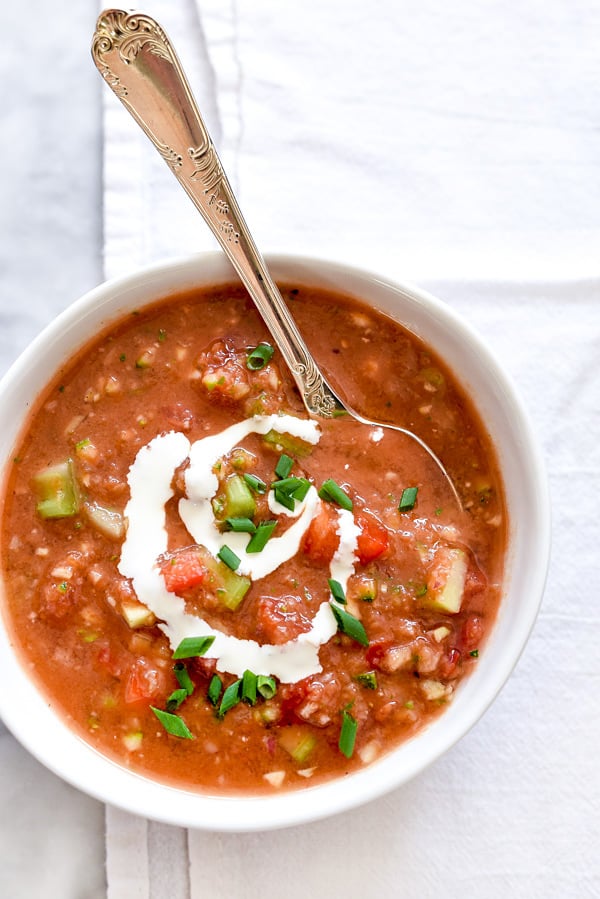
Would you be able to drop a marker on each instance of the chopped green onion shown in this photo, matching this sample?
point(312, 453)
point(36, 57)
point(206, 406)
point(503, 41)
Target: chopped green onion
point(266, 686)
point(347, 734)
point(259, 540)
point(259, 356)
point(474, 653)
point(285, 500)
point(176, 698)
point(173, 724)
point(241, 525)
point(284, 466)
point(255, 483)
point(408, 499)
point(183, 678)
point(231, 697)
point(289, 490)
point(228, 556)
point(249, 685)
point(193, 646)
point(349, 625)
point(337, 591)
point(214, 689)
point(367, 679)
point(333, 493)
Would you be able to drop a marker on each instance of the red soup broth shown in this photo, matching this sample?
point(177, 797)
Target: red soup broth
point(405, 584)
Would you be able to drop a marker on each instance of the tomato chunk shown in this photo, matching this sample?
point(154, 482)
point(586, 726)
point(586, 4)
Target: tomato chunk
point(373, 540)
point(183, 571)
point(144, 682)
point(321, 539)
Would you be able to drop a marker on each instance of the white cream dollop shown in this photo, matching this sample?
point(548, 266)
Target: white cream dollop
point(150, 482)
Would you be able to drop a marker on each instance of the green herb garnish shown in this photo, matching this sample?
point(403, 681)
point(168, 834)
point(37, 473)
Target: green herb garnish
point(408, 499)
point(255, 483)
point(176, 698)
point(231, 697)
point(228, 556)
point(193, 646)
point(183, 678)
point(333, 493)
point(173, 724)
point(284, 466)
point(337, 591)
point(249, 687)
point(241, 525)
point(347, 734)
point(259, 356)
point(367, 679)
point(266, 686)
point(260, 539)
point(349, 625)
point(214, 689)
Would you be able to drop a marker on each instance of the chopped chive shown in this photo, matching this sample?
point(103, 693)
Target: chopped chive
point(285, 499)
point(333, 493)
point(259, 356)
point(367, 679)
point(176, 698)
point(193, 646)
point(347, 734)
point(241, 525)
point(337, 591)
point(228, 556)
point(259, 540)
point(284, 466)
point(266, 686)
point(214, 689)
point(249, 685)
point(408, 499)
point(296, 487)
point(349, 625)
point(474, 653)
point(255, 483)
point(173, 724)
point(231, 697)
point(183, 678)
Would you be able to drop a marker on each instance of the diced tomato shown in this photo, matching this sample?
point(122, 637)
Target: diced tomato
point(377, 651)
point(472, 632)
point(279, 619)
point(373, 540)
point(109, 659)
point(144, 682)
point(449, 663)
point(292, 696)
point(321, 539)
point(183, 571)
point(475, 582)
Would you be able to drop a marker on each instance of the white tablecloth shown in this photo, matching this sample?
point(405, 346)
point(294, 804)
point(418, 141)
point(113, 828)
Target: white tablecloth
point(458, 147)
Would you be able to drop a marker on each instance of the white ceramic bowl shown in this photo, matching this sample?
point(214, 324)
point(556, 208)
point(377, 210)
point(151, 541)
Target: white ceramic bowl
point(46, 736)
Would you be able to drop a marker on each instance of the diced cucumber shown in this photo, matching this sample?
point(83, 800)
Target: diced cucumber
point(446, 583)
point(231, 587)
point(287, 443)
point(136, 614)
point(298, 741)
point(106, 521)
point(239, 501)
point(57, 489)
point(133, 741)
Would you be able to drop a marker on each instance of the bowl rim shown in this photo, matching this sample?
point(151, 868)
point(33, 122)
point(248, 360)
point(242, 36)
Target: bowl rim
point(84, 767)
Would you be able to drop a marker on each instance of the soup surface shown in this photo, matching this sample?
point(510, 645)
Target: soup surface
point(219, 592)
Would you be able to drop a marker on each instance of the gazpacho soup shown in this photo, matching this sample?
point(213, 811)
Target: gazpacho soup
point(221, 593)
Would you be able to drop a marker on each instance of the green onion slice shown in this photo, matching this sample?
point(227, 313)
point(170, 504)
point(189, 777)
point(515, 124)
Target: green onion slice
point(349, 625)
point(284, 466)
point(266, 686)
point(367, 679)
point(193, 646)
point(241, 525)
point(408, 499)
point(333, 493)
point(255, 483)
point(231, 697)
point(249, 686)
point(176, 698)
point(214, 689)
point(173, 724)
point(347, 734)
point(259, 356)
point(183, 678)
point(228, 556)
point(337, 591)
point(259, 540)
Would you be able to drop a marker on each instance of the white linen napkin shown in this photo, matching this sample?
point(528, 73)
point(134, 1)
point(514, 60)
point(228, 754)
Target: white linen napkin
point(458, 147)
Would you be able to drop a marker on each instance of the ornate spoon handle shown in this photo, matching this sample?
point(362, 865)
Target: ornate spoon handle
point(136, 59)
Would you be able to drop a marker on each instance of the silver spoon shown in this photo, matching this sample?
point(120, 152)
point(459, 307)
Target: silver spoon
point(136, 59)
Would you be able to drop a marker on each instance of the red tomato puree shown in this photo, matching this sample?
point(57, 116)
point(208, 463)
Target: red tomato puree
point(272, 607)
